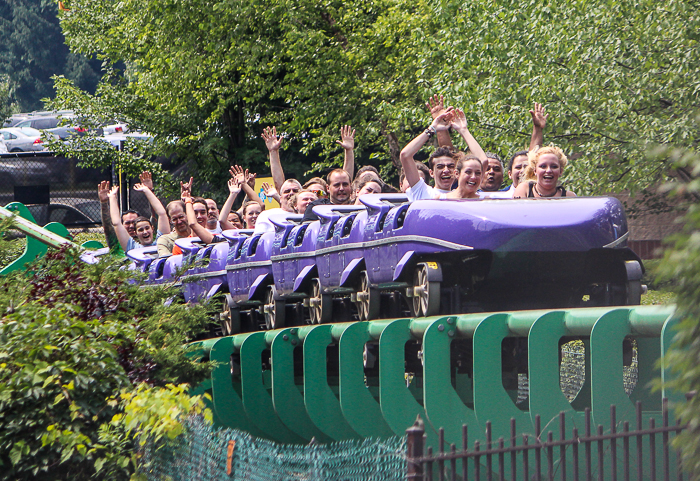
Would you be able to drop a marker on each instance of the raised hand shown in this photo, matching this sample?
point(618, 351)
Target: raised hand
point(459, 120)
point(442, 121)
point(272, 142)
point(539, 118)
point(233, 187)
point(250, 179)
point(146, 179)
point(103, 191)
point(435, 105)
point(269, 190)
point(238, 174)
point(186, 188)
point(114, 191)
point(347, 138)
point(141, 187)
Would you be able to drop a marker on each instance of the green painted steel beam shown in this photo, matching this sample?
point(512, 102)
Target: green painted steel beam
point(359, 405)
point(287, 387)
point(321, 387)
point(256, 391)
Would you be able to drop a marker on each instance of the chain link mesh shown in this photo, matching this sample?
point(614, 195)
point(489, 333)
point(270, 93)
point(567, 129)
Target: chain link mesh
point(201, 453)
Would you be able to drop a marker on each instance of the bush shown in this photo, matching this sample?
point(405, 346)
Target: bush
point(81, 346)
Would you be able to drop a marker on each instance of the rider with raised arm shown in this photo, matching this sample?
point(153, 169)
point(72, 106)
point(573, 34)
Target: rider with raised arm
point(443, 159)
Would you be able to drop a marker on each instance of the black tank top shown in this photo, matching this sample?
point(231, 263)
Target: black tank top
point(530, 193)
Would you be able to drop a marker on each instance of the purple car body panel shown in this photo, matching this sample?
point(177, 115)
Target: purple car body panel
point(293, 254)
point(342, 244)
point(249, 267)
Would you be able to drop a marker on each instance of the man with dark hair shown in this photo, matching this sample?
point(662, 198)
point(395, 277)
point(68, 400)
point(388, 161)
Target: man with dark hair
point(442, 168)
point(517, 164)
point(493, 173)
point(129, 221)
point(339, 192)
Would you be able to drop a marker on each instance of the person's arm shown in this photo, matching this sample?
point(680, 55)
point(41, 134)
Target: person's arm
point(233, 190)
point(347, 142)
point(459, 123)
point(157, 207)
point(436, 106)
point(119, 228)
point(147, 180)
point(201, 232)
point(273, 143)
point(110, 234)
point(521, 190)
point(271, 192)
point(539, 121)
point(406, 156)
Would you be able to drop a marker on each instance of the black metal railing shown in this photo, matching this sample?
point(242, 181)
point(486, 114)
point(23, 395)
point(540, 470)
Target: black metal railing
point(594, 454)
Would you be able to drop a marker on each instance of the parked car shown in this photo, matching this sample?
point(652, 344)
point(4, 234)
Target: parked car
point(116, 127)
point(3, 147)
point(56, 125)
point(24, 139)
point(67, 215)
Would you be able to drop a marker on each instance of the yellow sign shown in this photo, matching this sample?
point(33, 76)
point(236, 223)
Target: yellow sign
point(269, 202)
point(431, 265)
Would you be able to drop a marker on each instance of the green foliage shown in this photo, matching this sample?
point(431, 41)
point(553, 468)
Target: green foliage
point(616, 78)
point(681, 267)
point(82, 352)
point(32, 49)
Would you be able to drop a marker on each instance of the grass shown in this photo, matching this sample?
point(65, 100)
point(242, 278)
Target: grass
point(652, 298)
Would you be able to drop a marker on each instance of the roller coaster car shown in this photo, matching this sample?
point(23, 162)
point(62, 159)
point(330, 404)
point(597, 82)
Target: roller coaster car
point(390, 258)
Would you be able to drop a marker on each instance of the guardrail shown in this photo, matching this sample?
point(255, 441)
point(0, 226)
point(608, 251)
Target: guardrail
point(372, 379)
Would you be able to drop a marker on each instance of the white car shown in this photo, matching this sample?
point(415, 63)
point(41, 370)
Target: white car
point(25, 139)
point(3, 148)
point(116, 128)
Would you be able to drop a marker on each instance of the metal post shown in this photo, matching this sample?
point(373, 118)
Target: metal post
point(414, 447)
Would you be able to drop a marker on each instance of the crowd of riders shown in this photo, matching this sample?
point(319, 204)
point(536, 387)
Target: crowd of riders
point(450, 173)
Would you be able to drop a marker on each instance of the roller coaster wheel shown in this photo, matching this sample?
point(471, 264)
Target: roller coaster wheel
point(634, 283)
point(273, 309)
point(368, 299)
point(229, 318)
point(320, 305)
point(426, 294)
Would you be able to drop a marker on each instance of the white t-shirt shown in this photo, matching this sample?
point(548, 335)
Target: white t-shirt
point(263, 223)
point(422, 191)
point(216, 230)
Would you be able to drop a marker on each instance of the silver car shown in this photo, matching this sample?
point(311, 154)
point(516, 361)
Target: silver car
point(25, 139)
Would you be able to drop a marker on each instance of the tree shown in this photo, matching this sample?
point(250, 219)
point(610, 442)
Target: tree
point(32, 49)
point(617, 79)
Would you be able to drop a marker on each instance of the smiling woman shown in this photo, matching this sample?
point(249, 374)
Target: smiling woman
point(541, 177)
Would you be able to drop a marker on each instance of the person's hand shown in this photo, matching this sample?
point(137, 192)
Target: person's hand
point(185, 188)
point(146, 179)
point(238, 174)
point(347, 138)
point(442, 121)
point(435, 105)
point(103, 191)
point(250, 179)
point(140, 187)
point(114, 191)
point(272, 142)
point(269, 190)
point(233, 187)
point(459, 120)
point(539, 118)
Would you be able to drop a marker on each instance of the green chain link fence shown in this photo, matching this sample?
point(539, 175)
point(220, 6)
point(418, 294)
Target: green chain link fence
point(202, 453)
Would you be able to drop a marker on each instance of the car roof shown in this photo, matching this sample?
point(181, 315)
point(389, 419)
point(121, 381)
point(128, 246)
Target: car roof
point(28, 131)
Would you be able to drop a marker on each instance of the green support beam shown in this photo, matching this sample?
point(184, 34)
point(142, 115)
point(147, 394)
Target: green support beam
point(324, 382)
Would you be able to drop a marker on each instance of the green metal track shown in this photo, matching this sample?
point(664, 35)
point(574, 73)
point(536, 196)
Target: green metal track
point(354, 380)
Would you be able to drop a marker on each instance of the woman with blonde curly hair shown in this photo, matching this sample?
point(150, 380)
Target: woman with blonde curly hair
point(541, 176)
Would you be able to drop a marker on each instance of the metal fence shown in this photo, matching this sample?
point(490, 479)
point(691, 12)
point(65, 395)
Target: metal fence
point(616, 453)
point(55, 189)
